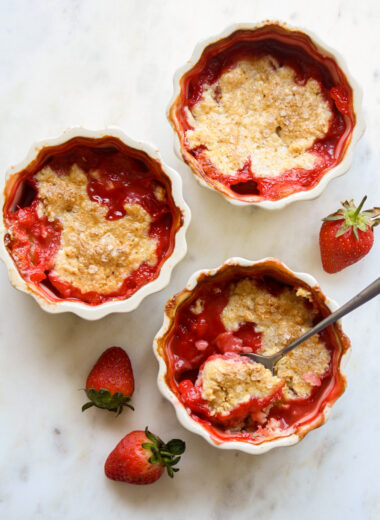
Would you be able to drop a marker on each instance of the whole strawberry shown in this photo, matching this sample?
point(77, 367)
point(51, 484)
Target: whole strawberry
point(141, 457)
point(110, 384)
point(347, 235)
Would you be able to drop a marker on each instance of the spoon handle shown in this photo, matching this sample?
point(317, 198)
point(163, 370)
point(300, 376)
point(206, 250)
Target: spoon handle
point(364, 296)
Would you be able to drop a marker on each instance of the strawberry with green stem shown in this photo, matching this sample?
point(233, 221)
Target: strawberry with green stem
point(141, 458)
point(347, 235)
point(110, 384)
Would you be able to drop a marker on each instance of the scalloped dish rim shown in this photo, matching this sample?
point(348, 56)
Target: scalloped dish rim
point(82, 309)
point(184, 417)
point(340, 169)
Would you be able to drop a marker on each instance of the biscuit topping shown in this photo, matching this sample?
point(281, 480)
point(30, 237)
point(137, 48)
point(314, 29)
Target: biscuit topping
point(256, 112)
point(281, 319)
point(229, 382)
point(95, 254)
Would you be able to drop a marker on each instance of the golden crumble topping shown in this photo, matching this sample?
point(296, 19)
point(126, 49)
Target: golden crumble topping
point(160, 193)
point(281, 319)
point(95, 254)
point(301, 291)
point(197, 306)
point(256, 111)
point(227, 383)
point(311, 357)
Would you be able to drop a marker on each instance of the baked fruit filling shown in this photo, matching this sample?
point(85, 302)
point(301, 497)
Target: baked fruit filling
point(93, 221)
point(232, 395)
point(263, 118)
point(230, 386)
point(257, 114)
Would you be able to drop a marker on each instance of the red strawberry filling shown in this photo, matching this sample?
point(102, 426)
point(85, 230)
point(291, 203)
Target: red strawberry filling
point(207, 92)
point(230, 395)
point(90, 220)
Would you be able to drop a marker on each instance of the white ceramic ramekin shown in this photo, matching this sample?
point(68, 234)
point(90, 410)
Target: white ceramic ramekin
point(183, 416)
point(326, 51)
point(94, 312)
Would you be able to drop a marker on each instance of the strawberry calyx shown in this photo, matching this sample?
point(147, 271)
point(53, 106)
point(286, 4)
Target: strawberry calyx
point(104, 399)
point(354, 218)
point(167, 455)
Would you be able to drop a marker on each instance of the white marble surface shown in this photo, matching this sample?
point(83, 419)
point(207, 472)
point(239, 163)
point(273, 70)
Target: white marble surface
point(97, 63)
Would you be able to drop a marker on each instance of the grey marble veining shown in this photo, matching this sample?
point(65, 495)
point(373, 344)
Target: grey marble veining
point(96, 63)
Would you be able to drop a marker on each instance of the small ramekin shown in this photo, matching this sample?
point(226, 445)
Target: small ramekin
point(326, 51)
point(82, 309)
point(169, 317)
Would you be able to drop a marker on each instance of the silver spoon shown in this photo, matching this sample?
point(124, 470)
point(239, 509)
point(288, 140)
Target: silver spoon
point(364, 296)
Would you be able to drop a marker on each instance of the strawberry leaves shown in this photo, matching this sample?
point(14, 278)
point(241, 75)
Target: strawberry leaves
point(176, 446)
point(167, 455)
point(353, 218)
point(104, 399)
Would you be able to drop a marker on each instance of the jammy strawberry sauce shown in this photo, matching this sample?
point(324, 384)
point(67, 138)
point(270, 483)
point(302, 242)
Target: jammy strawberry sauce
point(237, 158)
point(90, 220)
point(230, 396)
